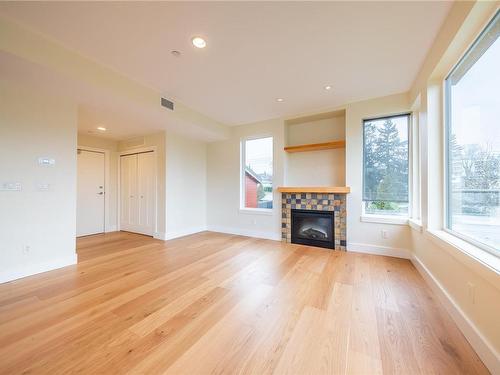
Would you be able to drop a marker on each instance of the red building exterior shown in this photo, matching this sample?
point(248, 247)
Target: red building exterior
point(251, 184)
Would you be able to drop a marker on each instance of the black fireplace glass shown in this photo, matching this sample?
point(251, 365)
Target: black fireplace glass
point(313, 228)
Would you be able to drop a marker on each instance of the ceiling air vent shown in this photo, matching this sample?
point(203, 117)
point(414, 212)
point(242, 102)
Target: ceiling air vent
point(167, 104)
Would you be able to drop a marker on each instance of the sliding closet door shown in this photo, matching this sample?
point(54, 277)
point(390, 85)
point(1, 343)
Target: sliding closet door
point(146, 182)
point(128, 192)
point(137, 193)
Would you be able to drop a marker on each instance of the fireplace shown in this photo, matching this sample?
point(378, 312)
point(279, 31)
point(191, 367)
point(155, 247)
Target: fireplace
point(313, 228)
point(332, 202)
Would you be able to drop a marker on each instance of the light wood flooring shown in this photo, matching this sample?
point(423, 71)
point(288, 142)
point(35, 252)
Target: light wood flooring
point(213, 303)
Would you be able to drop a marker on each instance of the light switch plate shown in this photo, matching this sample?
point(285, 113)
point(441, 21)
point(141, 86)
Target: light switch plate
point(10, 186)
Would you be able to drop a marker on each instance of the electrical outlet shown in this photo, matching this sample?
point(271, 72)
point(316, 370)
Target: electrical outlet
point(42, 187)
point(26, 249)
point(46, 161)
point(471, 292)
point(384, 234)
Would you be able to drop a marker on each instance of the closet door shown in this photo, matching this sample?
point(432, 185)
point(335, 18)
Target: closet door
point(137, 193)
point(128, 193)
point(146, 182)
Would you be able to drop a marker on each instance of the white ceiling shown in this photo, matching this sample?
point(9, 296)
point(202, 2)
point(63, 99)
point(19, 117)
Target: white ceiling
point(256, 51)
point(97, 106)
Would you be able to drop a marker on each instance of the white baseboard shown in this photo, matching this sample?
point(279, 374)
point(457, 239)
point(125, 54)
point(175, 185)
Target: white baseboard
point(245, 232)
point(160, 236)
point(111, 228)
point(33, 269)
point(379, 250)
point(186, 232)
point(481, 345)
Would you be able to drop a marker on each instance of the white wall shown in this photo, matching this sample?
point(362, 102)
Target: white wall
point(318, 131)
point(37, 228)
point(186, 185)
point(362, 235)
point(328, 165)
point(223, 188)
point(111, 146)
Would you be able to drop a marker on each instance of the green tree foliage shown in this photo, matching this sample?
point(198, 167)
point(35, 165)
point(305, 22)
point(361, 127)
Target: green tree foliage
point(475, 178)
point(386, 165)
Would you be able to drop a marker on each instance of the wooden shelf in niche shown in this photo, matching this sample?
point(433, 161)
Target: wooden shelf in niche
point(316, 146)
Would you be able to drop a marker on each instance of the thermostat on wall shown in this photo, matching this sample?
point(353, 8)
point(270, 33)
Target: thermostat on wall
point(46, 161)
point(10, 186)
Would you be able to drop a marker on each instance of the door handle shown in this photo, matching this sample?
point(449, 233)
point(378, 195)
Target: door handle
point(100, 193)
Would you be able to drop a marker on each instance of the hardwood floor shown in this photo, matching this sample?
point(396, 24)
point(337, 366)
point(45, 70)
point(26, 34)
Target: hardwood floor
point(215, 303)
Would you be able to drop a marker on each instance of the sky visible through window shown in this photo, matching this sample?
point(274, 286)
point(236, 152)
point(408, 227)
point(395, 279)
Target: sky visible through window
point(476, 102)
point(258, 182)
point(259, 155)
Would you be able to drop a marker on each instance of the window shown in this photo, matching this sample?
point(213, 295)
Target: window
point(385, 165)
point(473, 143)
point(257, 173)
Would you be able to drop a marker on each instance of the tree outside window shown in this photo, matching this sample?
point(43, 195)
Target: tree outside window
point(385, 165)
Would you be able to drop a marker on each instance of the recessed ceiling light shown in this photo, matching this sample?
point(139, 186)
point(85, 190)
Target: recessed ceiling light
point(199, 42)
point(279, 99)
point(328, 87)
point(101, 128)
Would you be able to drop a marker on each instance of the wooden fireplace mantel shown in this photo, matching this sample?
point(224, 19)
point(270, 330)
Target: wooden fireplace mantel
point(310, 189)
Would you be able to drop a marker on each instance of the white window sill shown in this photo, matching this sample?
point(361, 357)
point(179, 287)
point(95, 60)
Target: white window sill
point(397, 220)
point(449, 241)
point(415, 224)
point(256, 211)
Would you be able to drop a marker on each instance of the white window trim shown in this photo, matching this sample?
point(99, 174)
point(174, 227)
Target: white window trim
point(257, 211)
point(415, 224)
point(242, 208)
point(384, 219)
point(415, 172)
point(473, 242)
point(458, 247)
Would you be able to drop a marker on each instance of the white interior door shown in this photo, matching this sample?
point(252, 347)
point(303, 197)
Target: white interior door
point(146, 182)
point(128, 192)
point(137, 193)
point(90, 193)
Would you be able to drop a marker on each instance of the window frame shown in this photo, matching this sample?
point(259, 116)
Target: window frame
point(446, 220)
point(415, 172)
point(387, 218)
point(242, 208)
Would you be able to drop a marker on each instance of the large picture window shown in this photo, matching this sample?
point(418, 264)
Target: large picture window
point(385, 165)
point(257, 173)
point(473, 142)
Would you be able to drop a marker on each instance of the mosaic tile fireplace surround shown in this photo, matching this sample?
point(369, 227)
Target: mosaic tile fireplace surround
point(318, 202)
